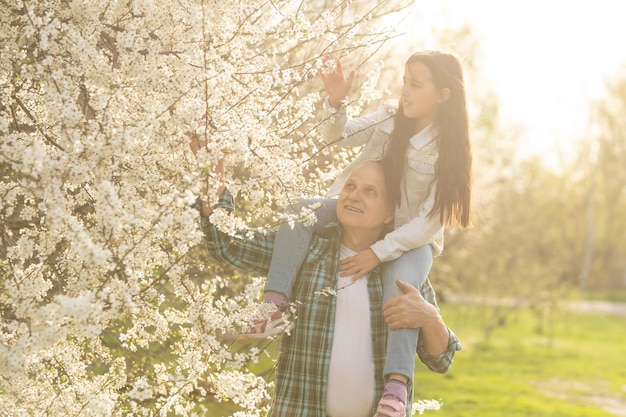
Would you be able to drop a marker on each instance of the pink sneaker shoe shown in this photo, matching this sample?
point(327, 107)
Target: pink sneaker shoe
point(390, 407)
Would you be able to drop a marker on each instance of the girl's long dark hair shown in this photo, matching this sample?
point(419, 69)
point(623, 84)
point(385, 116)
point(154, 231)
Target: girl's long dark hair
point(454, 164)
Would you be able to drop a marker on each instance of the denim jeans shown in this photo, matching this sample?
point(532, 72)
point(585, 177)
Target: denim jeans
point(412, 267)
point(292, 245)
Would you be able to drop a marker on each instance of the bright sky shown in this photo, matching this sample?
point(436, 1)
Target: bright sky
point(546, 59)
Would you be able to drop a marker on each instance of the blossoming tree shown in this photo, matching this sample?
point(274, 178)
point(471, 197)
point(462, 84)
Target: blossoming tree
point(98, 100)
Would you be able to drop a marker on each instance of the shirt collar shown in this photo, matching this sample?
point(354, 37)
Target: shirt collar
point(331, 230)
point(424, 137)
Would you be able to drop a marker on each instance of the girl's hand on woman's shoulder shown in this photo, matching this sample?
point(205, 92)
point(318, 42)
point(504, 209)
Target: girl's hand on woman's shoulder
point(359, 265)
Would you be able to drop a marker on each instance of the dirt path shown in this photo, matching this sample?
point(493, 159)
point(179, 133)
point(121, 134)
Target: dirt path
point(584, 306)
point(595, 393)
point(606, 307)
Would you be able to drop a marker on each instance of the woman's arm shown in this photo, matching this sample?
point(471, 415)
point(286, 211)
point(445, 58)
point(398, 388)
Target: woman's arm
point(250, 249)
point(217, 171)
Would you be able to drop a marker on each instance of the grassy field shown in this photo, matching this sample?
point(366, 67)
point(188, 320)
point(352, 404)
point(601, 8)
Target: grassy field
point(576, 368)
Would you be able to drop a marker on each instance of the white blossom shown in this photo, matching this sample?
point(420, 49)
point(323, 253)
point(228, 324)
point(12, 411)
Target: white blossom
point(326, 292)
point(101, 315)
point(420, 406)
point(141, 390)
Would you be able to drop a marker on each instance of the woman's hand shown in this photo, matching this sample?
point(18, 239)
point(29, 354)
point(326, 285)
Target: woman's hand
point(196, 143)
point(336, 85)
point(410, 310)
point(359, 264)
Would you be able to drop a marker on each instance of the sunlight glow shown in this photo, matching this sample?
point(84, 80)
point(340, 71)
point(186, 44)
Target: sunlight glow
point(545, 59)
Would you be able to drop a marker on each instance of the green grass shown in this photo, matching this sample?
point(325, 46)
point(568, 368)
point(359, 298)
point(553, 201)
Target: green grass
point(577, 370)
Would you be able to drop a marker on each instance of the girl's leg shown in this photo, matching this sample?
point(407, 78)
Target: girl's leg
point(290, 250)
point(291, 245)
point(412, 267)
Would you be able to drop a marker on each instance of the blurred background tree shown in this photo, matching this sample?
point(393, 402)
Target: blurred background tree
point(603, 163)
point(540, 232)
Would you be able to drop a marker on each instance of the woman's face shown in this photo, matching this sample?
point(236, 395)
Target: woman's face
point(362, 203)
point(420, 97)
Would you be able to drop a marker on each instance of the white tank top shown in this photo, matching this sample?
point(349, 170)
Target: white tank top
point(350, 391)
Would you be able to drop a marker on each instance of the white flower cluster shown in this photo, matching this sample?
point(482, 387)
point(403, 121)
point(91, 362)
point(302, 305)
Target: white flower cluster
point(99, 313)
point(420, 406)
point(326, 292)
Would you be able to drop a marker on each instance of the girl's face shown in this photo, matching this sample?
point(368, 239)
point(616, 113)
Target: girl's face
point(420, 97)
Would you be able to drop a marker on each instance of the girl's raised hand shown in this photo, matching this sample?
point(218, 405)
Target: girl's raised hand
point(335, 83)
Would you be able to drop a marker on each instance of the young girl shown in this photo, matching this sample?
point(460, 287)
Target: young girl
point(425, 149)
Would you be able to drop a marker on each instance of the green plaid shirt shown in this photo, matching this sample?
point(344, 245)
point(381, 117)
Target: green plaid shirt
point(302, 372)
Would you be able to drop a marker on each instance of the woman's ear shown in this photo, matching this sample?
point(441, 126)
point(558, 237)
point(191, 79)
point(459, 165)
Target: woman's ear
point(444, 95)
point(390, 216)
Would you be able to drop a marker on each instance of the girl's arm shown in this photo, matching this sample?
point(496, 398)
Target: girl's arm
point(419, 231)
point(337, 128)
point(336, 84)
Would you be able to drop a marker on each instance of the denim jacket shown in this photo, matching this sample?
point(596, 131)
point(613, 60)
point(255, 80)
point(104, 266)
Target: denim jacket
point(413, 226)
